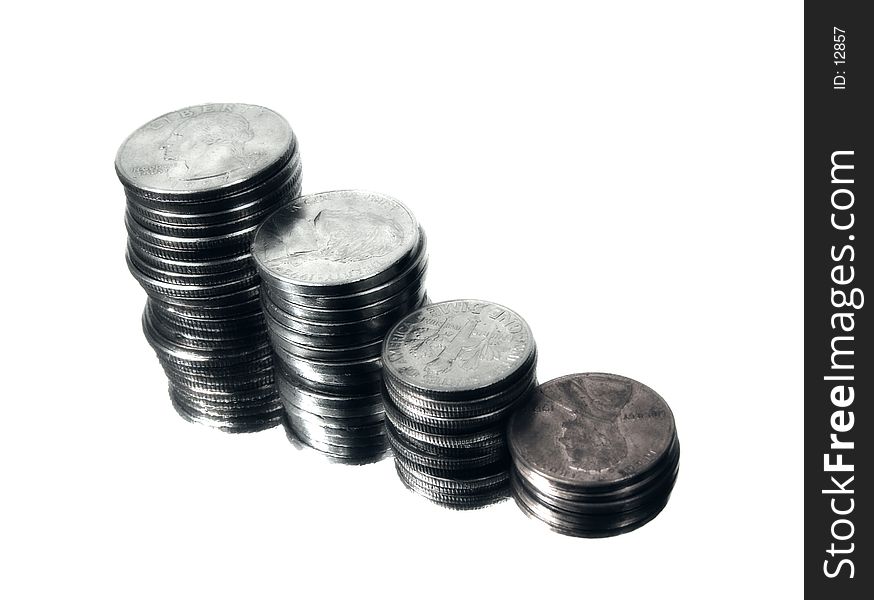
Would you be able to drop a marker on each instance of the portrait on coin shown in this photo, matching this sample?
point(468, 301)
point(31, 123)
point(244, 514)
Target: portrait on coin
point(210, 145)
point(337, 235)
point(591, 436)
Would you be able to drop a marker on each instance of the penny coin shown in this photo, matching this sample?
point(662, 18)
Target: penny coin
point(594, 454)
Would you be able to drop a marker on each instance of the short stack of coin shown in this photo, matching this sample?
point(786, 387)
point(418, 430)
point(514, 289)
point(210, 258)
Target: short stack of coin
point(594, 455)
point(453, 373)
point(198, 182)
point(338, 269)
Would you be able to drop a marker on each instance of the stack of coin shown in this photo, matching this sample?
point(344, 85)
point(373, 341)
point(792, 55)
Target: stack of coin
point(453, 373)
point(338, 269)
point(198, 182)
point(594, 455)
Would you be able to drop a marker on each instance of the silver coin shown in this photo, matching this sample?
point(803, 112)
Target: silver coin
point(197, 184)
point(458, 454)
point(229, 300)
point(203, 230)
point(434, 460)
point(457, 483)
point(351, 428)
point(463, 407)
point(229, 398)
point(353, 374)
point(205, 149)
point(369, 413)
point(230, 372)
point(228, 221)
point(230, 342)
point(336, 438)
point(156, 284)
point(355, 455)
point(229, 338)
point(343, 241)
point(173, 352)
point(292, 338)
point(264, 197)
point(327, 315)
point(359, 330)
point(283, 184)
point(235, 325)
point(232, 263)
point(446, 498)
point(415, 271)
point(243, 382)
point(209, 343)
point(232, 423)
point(457, 371)
point(243, 269)
point(372, 325)
point(487, 439)
point(338, 269)
point(216, 246)
point(285, 347)
point(457, 346)
point(213, 311)
point(457, 423)
point(294, 391)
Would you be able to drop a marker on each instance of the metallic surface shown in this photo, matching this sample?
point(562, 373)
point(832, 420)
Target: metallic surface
point(594, 454)
point(454, 373)
point(198, 182)
point(336, 242)
point(205, 148)
point(457, 346)
point(338, 270)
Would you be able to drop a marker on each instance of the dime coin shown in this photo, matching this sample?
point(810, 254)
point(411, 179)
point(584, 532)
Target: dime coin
point(457, 347)
point(453, 372)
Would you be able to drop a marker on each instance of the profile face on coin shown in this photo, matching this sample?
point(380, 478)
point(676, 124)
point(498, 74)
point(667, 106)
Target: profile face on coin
point(591, 428)
point(457, 345)
point(203, 148)
point(335, 238)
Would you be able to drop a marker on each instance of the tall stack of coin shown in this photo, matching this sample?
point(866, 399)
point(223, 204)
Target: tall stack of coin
point(453, 372)
point(594, 455)
point(338, 269)
point(198, 182)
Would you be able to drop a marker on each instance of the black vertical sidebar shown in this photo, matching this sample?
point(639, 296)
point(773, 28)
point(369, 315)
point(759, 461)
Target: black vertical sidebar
point(838, 336)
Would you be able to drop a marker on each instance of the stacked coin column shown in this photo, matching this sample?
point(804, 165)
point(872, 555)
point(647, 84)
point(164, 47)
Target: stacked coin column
point(594, 455)
point(453, 373)
point(198, 182)
point(338, 270)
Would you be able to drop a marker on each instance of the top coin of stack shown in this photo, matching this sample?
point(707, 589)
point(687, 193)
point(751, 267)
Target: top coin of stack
point(594, 455)
point(453, 372)
point(198, 182)
point(338, 269)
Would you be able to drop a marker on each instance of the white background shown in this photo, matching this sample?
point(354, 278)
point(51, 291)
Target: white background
point(626, 177)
